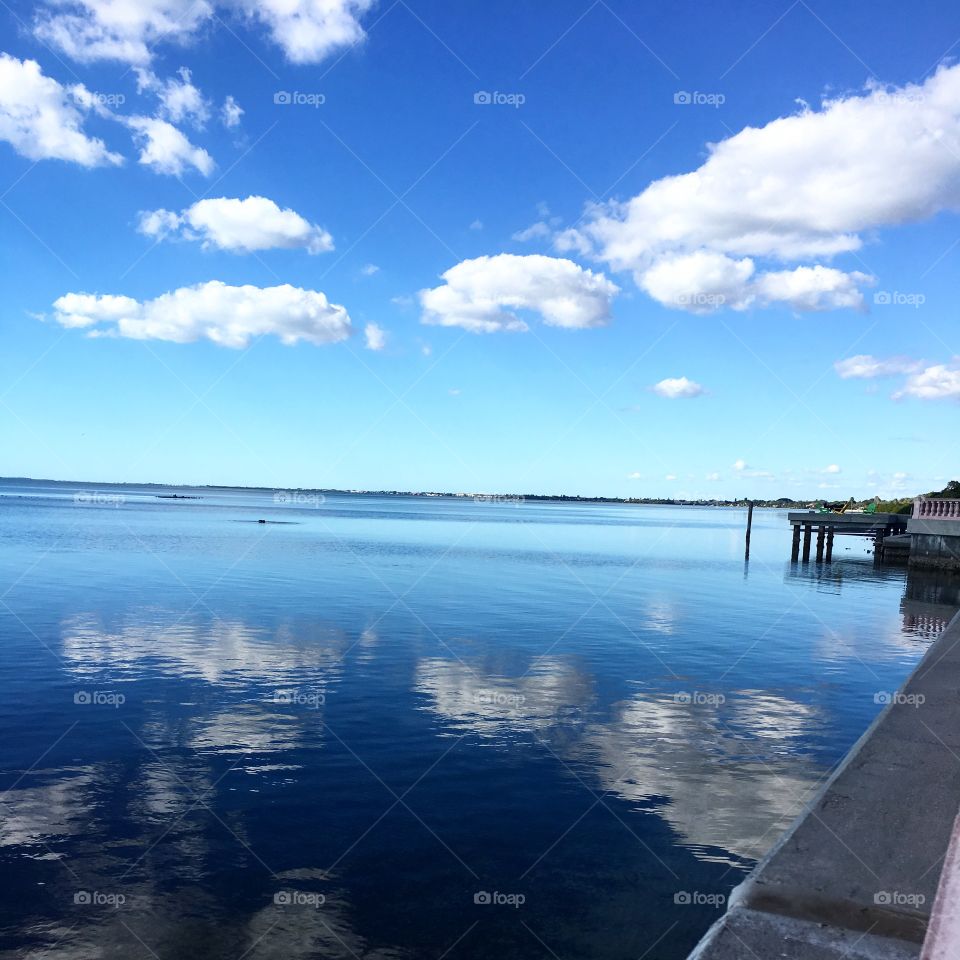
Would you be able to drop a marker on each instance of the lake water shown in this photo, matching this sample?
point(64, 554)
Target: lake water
point(390, 727)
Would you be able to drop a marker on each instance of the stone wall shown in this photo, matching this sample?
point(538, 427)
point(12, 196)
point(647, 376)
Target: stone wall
point(934, 544)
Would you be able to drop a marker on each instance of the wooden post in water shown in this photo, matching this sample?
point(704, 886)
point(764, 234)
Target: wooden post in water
point(746, 554)
point(821, 536)
point(807, 534)
point(830, 545)
point(795, 548)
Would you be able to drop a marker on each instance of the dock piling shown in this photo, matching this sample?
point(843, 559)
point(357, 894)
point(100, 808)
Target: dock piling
point(795, 548)
point(807, 536)
point(746, 553)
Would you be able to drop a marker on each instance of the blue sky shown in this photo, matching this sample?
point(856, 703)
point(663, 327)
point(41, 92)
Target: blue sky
point(688, 343)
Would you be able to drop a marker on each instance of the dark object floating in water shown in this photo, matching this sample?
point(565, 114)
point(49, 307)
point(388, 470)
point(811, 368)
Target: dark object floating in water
point(289, 522)
point(176, 496)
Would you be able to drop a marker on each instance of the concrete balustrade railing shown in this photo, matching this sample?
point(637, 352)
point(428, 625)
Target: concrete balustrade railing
point(930, 509)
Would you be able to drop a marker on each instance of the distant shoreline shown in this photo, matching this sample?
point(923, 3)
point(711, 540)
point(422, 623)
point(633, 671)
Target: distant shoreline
point(782, 503)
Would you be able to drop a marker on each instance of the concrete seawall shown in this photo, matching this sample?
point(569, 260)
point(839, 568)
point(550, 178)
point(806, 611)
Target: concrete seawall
point(857, 873)
point(935, 543)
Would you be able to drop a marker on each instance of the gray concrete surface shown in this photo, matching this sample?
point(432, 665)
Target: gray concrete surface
point(934, 543)
point(762, 936)
point(857, 874)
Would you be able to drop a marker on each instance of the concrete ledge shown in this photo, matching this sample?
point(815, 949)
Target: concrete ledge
point(750, 934)
point(934, 526)
point(863, 861)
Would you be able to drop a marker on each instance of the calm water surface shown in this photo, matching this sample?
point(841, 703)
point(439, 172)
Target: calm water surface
point(406, 727)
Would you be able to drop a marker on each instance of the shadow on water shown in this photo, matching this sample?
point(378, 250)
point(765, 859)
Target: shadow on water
point(931, 598)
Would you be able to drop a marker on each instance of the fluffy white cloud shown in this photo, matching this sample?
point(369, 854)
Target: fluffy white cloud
point(700, 282)
point(230, 112)
point(228, 316)
point(369, 269)
point(674, 388)
point(705, 281)
point(179, 99)
point(480, 295)
point(938, 382)
point(128, 30)
point(121, 30)
point(800, 188)
point(164, 148)
point(43, 120)
point(865, 367)
point(241, 226)
point(310, 30)
point(832, 468)
point(812, 288)
point(713, 477)
point(375, 336)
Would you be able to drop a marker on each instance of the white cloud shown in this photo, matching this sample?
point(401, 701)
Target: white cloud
point(158, 224)
point(480, 295)
point(800, 188)
point(700, 282)
point(230, 112)
point(241, 226)
point(369, 269)
point(813, 288)
point(865, 367)
point(543, 229)
point(745, 470)
point(375, 336)
point(309, 30)
point(476, 225)
point(43, 120)
point(635, 476)
point(536, 231)
point(832, 468)
point(674, 388)
point(87, 30)
point(164, 148)
point(179, 99)
point(705, 281)
point(670, 476)
point(712, 477)
point(128, 30)
point(938, 382)
point(228, 316)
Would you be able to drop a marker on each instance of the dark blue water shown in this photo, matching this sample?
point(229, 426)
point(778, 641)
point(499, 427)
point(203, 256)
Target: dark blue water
point(382, 727)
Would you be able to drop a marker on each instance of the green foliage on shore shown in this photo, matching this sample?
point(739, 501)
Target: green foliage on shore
point(905, 505)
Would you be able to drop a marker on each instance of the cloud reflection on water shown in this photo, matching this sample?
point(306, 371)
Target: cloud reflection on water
point(726, 776)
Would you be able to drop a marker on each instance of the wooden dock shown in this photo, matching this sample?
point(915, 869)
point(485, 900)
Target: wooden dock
point(876, 526)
